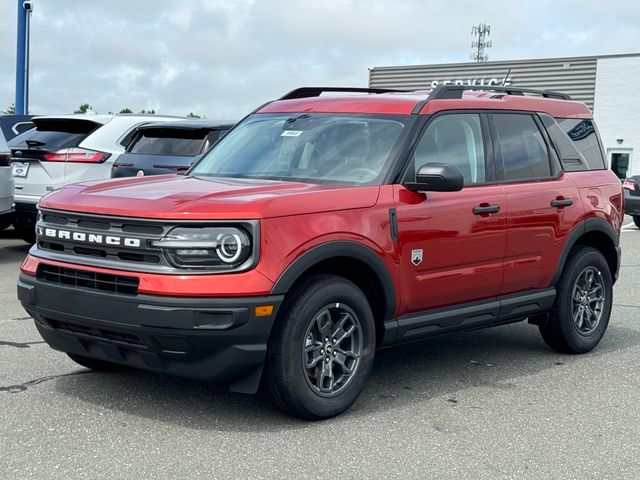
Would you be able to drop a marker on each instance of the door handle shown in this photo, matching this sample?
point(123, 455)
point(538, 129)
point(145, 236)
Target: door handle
point(561, 202)
point(485, 208)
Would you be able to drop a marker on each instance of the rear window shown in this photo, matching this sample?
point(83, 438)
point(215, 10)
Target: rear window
point(178, 142)
point(583, 134)
point(54, 135)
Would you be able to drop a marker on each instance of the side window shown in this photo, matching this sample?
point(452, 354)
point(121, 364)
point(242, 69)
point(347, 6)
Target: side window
point(455, 139)
point(571, 159)
point(583, 134)
point(522, 147)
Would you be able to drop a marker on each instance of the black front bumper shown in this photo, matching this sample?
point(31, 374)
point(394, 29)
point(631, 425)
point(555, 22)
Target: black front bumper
point(212, 339)
point(631, 203)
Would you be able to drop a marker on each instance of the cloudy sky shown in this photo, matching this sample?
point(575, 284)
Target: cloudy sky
point(224, 58)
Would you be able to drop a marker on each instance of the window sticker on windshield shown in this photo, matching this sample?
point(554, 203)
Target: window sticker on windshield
point(291, 133)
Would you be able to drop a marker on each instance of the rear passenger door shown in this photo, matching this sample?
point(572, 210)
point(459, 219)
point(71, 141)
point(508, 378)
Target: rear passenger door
point(542, 203)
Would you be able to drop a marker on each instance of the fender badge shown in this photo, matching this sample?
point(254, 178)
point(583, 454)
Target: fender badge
point(416, 256)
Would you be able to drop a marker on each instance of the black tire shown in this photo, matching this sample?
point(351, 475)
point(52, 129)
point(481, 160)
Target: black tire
point(561, 331)
point(25, 227)
point(636, 220)
point(289, 381)
point(95, 364)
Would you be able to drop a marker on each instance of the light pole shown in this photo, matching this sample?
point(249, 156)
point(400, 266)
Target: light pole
point(22, 57)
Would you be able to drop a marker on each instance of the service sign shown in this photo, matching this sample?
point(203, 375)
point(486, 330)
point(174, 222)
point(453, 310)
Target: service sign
point(474, 81)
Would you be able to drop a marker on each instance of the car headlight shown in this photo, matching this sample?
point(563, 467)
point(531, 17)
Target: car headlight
point(215, 248)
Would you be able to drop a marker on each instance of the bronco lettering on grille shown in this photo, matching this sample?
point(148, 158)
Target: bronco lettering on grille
point(93, 238)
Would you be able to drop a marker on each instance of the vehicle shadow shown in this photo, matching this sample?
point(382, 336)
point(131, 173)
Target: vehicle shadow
point(440, 368)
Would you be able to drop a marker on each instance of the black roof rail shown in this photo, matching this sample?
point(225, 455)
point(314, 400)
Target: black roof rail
point(455, 91)
point(305, 92)
point(446, 92)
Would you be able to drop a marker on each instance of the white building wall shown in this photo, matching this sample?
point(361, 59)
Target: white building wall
point(617, 107)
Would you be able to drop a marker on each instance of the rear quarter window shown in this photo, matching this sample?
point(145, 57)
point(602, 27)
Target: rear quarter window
point(584, 136)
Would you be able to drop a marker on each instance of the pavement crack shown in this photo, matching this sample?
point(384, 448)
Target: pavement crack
point(23, 386)
point(4, 343)
point(623, 305)
point(22, 318)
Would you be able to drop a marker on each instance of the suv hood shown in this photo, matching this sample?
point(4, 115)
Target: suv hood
point(183, 197)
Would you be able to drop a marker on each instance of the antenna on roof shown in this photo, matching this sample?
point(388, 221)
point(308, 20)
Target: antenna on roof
point(504, 80)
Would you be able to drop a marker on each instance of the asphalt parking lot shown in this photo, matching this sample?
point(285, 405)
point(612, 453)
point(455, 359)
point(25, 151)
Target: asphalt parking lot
point(496, 403)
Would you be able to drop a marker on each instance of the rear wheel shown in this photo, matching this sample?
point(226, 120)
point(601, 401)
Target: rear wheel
point(95, 364)
point(582, 308)
point(322, 348)
point(636, 220)
point(25, 227)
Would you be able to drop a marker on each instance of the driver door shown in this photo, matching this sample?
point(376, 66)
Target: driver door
point(452, 244)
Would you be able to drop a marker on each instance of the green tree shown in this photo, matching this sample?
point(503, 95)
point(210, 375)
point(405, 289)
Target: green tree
point(194, 115)
point(149, 112)
point(11, 109)
point(83, 108)
point(126, 110)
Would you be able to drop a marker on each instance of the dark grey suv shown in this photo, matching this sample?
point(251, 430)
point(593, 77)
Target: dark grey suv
point(632, 198)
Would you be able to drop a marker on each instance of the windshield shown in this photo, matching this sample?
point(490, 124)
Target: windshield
point(316, 148)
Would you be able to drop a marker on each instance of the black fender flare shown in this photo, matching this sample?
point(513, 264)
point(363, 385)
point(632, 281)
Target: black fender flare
point(594, 224)
point(326, 251)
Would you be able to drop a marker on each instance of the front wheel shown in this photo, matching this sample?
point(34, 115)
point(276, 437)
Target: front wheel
point(322, 348)
point(636, 220)
point(582, 308)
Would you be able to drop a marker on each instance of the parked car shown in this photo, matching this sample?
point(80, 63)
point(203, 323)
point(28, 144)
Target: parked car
point(323, 227)
point(65, 149)
point(10, 126)
point(172, 147)
point(632, 198)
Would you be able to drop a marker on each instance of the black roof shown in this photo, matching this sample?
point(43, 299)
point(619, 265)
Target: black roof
point(188, 125)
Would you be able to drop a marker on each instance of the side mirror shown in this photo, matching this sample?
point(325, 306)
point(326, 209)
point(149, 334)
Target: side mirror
point(437, 177)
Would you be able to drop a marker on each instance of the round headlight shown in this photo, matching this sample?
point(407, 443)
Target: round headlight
point(229, 247)
point(216, 248)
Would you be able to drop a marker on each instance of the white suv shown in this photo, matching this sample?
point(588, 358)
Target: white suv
point(10, 126)
point(6, 185)
point(66, 149)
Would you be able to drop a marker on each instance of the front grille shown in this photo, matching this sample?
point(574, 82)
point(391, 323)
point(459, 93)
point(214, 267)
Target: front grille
point(88, 280)
point(98, 333)
point(146, 231)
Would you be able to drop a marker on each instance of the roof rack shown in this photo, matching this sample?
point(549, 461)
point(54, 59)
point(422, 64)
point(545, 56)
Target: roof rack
point(456, 91)
point(305, 92)
point(446, 92)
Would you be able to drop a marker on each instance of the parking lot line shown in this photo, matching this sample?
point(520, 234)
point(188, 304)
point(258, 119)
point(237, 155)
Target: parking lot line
point(628, 226)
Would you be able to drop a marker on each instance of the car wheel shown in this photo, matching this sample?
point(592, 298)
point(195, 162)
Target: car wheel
point(25, 227)
point(636, 220)
point(95, 364)
point(322, 348)
point(582, 308)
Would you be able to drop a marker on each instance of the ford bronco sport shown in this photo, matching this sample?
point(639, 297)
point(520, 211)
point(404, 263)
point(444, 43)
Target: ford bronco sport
point(324, 226)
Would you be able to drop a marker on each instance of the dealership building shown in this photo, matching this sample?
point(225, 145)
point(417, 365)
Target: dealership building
point(606, 83)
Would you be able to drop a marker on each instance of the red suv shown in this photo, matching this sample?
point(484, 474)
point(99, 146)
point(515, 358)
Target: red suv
point(324, 226)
